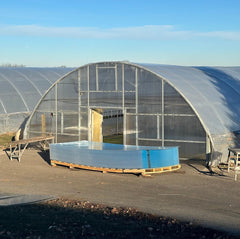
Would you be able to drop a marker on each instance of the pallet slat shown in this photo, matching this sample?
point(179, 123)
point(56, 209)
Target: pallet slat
point(116, 170)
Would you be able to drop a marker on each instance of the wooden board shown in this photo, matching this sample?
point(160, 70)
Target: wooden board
point(31, 140)
point(97, 120)
point(115, 170)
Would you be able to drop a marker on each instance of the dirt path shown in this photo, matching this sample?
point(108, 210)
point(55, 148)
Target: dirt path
point(190, 194)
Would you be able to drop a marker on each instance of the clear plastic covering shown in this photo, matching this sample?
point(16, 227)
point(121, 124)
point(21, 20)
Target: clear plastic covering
point(214, 95)
point(195, 108)
point(20, 91)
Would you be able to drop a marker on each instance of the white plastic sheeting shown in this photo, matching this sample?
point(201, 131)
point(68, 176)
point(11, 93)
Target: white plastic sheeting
point(214, 94)
point(20, 90)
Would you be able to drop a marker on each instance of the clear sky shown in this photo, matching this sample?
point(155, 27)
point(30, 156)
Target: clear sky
point(76, 32)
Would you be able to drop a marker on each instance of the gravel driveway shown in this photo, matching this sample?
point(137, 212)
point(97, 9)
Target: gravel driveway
point(191, 194)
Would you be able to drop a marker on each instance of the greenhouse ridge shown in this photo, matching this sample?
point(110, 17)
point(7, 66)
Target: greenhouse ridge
point(195, 108)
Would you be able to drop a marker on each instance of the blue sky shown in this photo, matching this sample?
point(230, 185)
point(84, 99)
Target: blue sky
point(72, 33)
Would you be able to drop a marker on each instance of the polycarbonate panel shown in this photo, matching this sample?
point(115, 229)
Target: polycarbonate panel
point(48, 103)
point(174, 102)
point(58, 122)
point(107, 64)
point(66, 138)
point(15, 121)
point(42, 78)
point(35, 134)
point(30, 99)
point(43, 122)
point(92, 78)
point(84, 76)
point(13, 103)
point(53, 73)
point(22, 83)
point(69, 123)
point(3, 123)
point(67, 93)
point(36, 124)
point(6, 87)
point(83, 99)
point(188, 150)
point(183, 128)
point(42, 85)
point(157, 143)
point(101, 99)
point(149, 92)
point(119, 76)
point(130, 129)
point(130, 100)
point(83, 124)
point(49, 122)
point(148, 126)
point(106, 78)
point(2, 111)
point(129, 78)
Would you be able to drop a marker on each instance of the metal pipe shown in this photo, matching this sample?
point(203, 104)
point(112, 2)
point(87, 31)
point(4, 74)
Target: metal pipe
point(79, 104)
point(136, 103)
point(163, 113)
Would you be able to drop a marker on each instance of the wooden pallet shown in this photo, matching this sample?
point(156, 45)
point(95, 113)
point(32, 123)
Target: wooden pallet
point(116, 170)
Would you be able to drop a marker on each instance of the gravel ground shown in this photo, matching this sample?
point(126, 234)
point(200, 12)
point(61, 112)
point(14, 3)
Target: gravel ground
point(63, 218)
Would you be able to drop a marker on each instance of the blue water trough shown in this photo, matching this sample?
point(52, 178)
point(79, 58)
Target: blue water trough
point(107, 157)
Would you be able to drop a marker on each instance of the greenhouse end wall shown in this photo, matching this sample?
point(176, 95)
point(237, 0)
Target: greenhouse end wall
point(11, 122)
point(151, 111)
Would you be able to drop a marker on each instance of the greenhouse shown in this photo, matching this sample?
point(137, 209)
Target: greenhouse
point(21, 89)
point(194, 108)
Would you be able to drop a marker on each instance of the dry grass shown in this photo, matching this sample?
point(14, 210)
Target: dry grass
point(5, 139)
point(113, 139)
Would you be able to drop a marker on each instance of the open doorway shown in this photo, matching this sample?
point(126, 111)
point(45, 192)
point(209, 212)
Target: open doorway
point(107, 126)
point(113, 126)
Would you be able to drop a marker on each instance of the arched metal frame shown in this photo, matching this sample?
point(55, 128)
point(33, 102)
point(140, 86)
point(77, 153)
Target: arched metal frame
point(155, 111)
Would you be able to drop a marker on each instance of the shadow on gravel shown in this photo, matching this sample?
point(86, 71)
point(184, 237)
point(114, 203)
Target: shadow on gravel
point(73, 219)
point(208, 173)
point(199, 165)
point(199, 162)
point(45, 155)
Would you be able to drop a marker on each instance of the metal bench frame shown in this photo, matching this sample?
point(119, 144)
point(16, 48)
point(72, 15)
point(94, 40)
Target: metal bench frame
point(234, 161)
point(18, 147)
